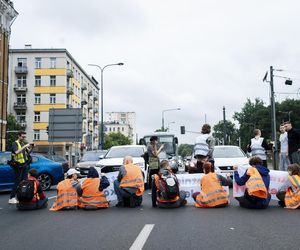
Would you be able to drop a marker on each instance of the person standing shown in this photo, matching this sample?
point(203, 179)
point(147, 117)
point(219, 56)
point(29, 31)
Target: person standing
point(258, 147)
point(284, 153)
point(293, 143)
point(20, 162)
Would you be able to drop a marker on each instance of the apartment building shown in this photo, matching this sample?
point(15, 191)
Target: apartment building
point(123, 122)
point(41, 79)
point(7, 16)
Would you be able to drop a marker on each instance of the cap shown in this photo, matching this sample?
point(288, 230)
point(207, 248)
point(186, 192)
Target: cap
point(72, 171)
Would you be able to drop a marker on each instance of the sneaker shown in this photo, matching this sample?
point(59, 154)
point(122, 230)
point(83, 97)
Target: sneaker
point(13, 201)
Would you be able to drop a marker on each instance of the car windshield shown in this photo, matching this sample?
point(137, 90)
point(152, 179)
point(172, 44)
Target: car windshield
point(228, 152)
point(90, 156)
point(4, 158)
point(122, 152)
point(58, 158)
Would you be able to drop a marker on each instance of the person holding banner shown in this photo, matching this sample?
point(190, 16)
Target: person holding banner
point(212, 193)
point(257, 181)
point(290, 196)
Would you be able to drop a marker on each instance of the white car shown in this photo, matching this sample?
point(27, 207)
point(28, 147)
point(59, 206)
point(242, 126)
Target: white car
point(227, 156)
point(113, 160)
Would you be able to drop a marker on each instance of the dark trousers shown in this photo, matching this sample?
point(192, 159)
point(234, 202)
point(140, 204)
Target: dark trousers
point(281, 196)
point(294, 157)
point(20, 175)
point(33, 206)
point(125, 196)
point(180, 203)
point(245, 202)
point(151, 173)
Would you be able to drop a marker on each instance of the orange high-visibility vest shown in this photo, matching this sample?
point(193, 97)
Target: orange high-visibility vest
point(133, 179)
point(91, 196)
point(292, 198)
point(66, 196)
point(160, 199)
point(212, 193)
point(255, 185)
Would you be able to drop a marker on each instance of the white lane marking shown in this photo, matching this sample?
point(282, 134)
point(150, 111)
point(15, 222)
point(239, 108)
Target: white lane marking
point(142, 237)
point(52, 197)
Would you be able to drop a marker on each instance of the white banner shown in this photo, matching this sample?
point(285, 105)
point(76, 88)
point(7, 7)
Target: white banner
point(277, 180)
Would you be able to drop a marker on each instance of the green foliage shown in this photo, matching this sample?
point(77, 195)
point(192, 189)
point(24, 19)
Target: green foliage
point(231, 132)
point(161, 130)
point(12, 125)
point(116, 139)
point(185, 150)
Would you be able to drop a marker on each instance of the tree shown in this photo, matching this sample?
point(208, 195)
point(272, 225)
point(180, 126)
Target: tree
point(185, 150)
point(116, 139)
point(12, 127)
point(231, 132)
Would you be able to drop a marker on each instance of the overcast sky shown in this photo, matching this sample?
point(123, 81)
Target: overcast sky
point(194, 54)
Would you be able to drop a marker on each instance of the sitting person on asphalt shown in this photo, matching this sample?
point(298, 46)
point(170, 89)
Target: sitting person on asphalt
point(30, 193)
point(212, 192)
point(165, 188)
point(67, 195)
point(129, 186)
point(91, 191)
point(289, 197)
point(257, 181)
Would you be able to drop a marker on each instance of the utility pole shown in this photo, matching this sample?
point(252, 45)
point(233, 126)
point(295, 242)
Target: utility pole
point(224, 124)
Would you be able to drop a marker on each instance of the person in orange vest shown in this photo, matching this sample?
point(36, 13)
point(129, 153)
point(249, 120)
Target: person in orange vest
point(165, 188)
point(91, 191)
point(37, 198)
point(67, 192)
point(212, 192)
point(290, 197)
point(129, 186)
point(257, 181)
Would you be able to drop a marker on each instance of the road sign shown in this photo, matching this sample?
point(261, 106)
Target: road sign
point(65, 125)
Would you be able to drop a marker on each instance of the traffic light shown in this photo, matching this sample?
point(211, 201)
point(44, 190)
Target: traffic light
point(47, 130)
point(288, 82)
point(182, 130)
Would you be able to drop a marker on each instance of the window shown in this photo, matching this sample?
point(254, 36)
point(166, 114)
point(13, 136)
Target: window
point(68, 65)
point(21, 81)
point(118, 129)
point(21, 98)
point(123, 129)
point(52, 98)
point(22, 62)
point(36, 135)
point(52, 80)
point(114, 129)
point(52, 62)
point(21, 116)
point(37, 116)
point(37, 98)
point(38, 81)
point(38, 62)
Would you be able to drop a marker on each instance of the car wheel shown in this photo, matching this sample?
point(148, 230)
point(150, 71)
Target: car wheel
point(45, 181)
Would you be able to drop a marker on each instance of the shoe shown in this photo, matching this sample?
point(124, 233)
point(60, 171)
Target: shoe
point(13, 201)
point(120, 204)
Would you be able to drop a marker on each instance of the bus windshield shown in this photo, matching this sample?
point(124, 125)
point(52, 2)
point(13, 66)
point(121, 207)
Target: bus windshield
point(167, 140)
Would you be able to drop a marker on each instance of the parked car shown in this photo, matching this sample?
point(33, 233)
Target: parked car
point(50, 172)
point(227, 156)
point(89, 159)
point(58, 158)
point(113, 160)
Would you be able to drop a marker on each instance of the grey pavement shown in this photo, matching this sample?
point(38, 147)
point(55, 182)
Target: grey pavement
point(117, 228)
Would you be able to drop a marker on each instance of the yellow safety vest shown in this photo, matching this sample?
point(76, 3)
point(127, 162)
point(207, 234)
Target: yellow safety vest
point(19, 157)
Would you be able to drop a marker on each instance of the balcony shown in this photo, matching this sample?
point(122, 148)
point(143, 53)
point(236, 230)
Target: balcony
point(20, 105)
point(90, 93)
point(95, 98)
point(21, 70)
point(70, 90)
point(90, 119)
point(70, 73)
point(95, 123)
point(20, 88)
point(84, 102)
point(83, 116)
point(90, 106)
point(83, 87)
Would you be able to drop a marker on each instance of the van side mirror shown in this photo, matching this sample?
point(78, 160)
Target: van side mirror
point(101, 157)
point(142, 142)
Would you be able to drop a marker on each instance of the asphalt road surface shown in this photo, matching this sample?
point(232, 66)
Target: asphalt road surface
point(153, 228)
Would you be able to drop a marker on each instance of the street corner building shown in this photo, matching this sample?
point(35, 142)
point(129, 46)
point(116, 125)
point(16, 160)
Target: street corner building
point(41, 79)
point(7, 17)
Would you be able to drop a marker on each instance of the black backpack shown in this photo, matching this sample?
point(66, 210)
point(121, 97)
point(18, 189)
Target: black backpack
point(26, 190)
point(168, 185)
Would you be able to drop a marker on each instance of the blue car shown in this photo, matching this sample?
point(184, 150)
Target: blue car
point(50, 172)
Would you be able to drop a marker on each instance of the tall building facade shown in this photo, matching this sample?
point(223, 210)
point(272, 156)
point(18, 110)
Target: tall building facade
point(7, 16)
point(42, 79)
point(123, 122)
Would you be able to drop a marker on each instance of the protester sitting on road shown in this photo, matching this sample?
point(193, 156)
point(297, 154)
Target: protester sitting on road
point(91, 191)
point(257, 180)
point(289, 196)
point(30, 194)
point(67, 192)
point(165, 188)
point(212, 192)
point(129, 186)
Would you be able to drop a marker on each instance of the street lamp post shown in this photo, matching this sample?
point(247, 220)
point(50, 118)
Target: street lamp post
point(101, 130)
point(162, 117)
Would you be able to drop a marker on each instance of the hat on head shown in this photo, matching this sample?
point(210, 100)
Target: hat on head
point(72, 171)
